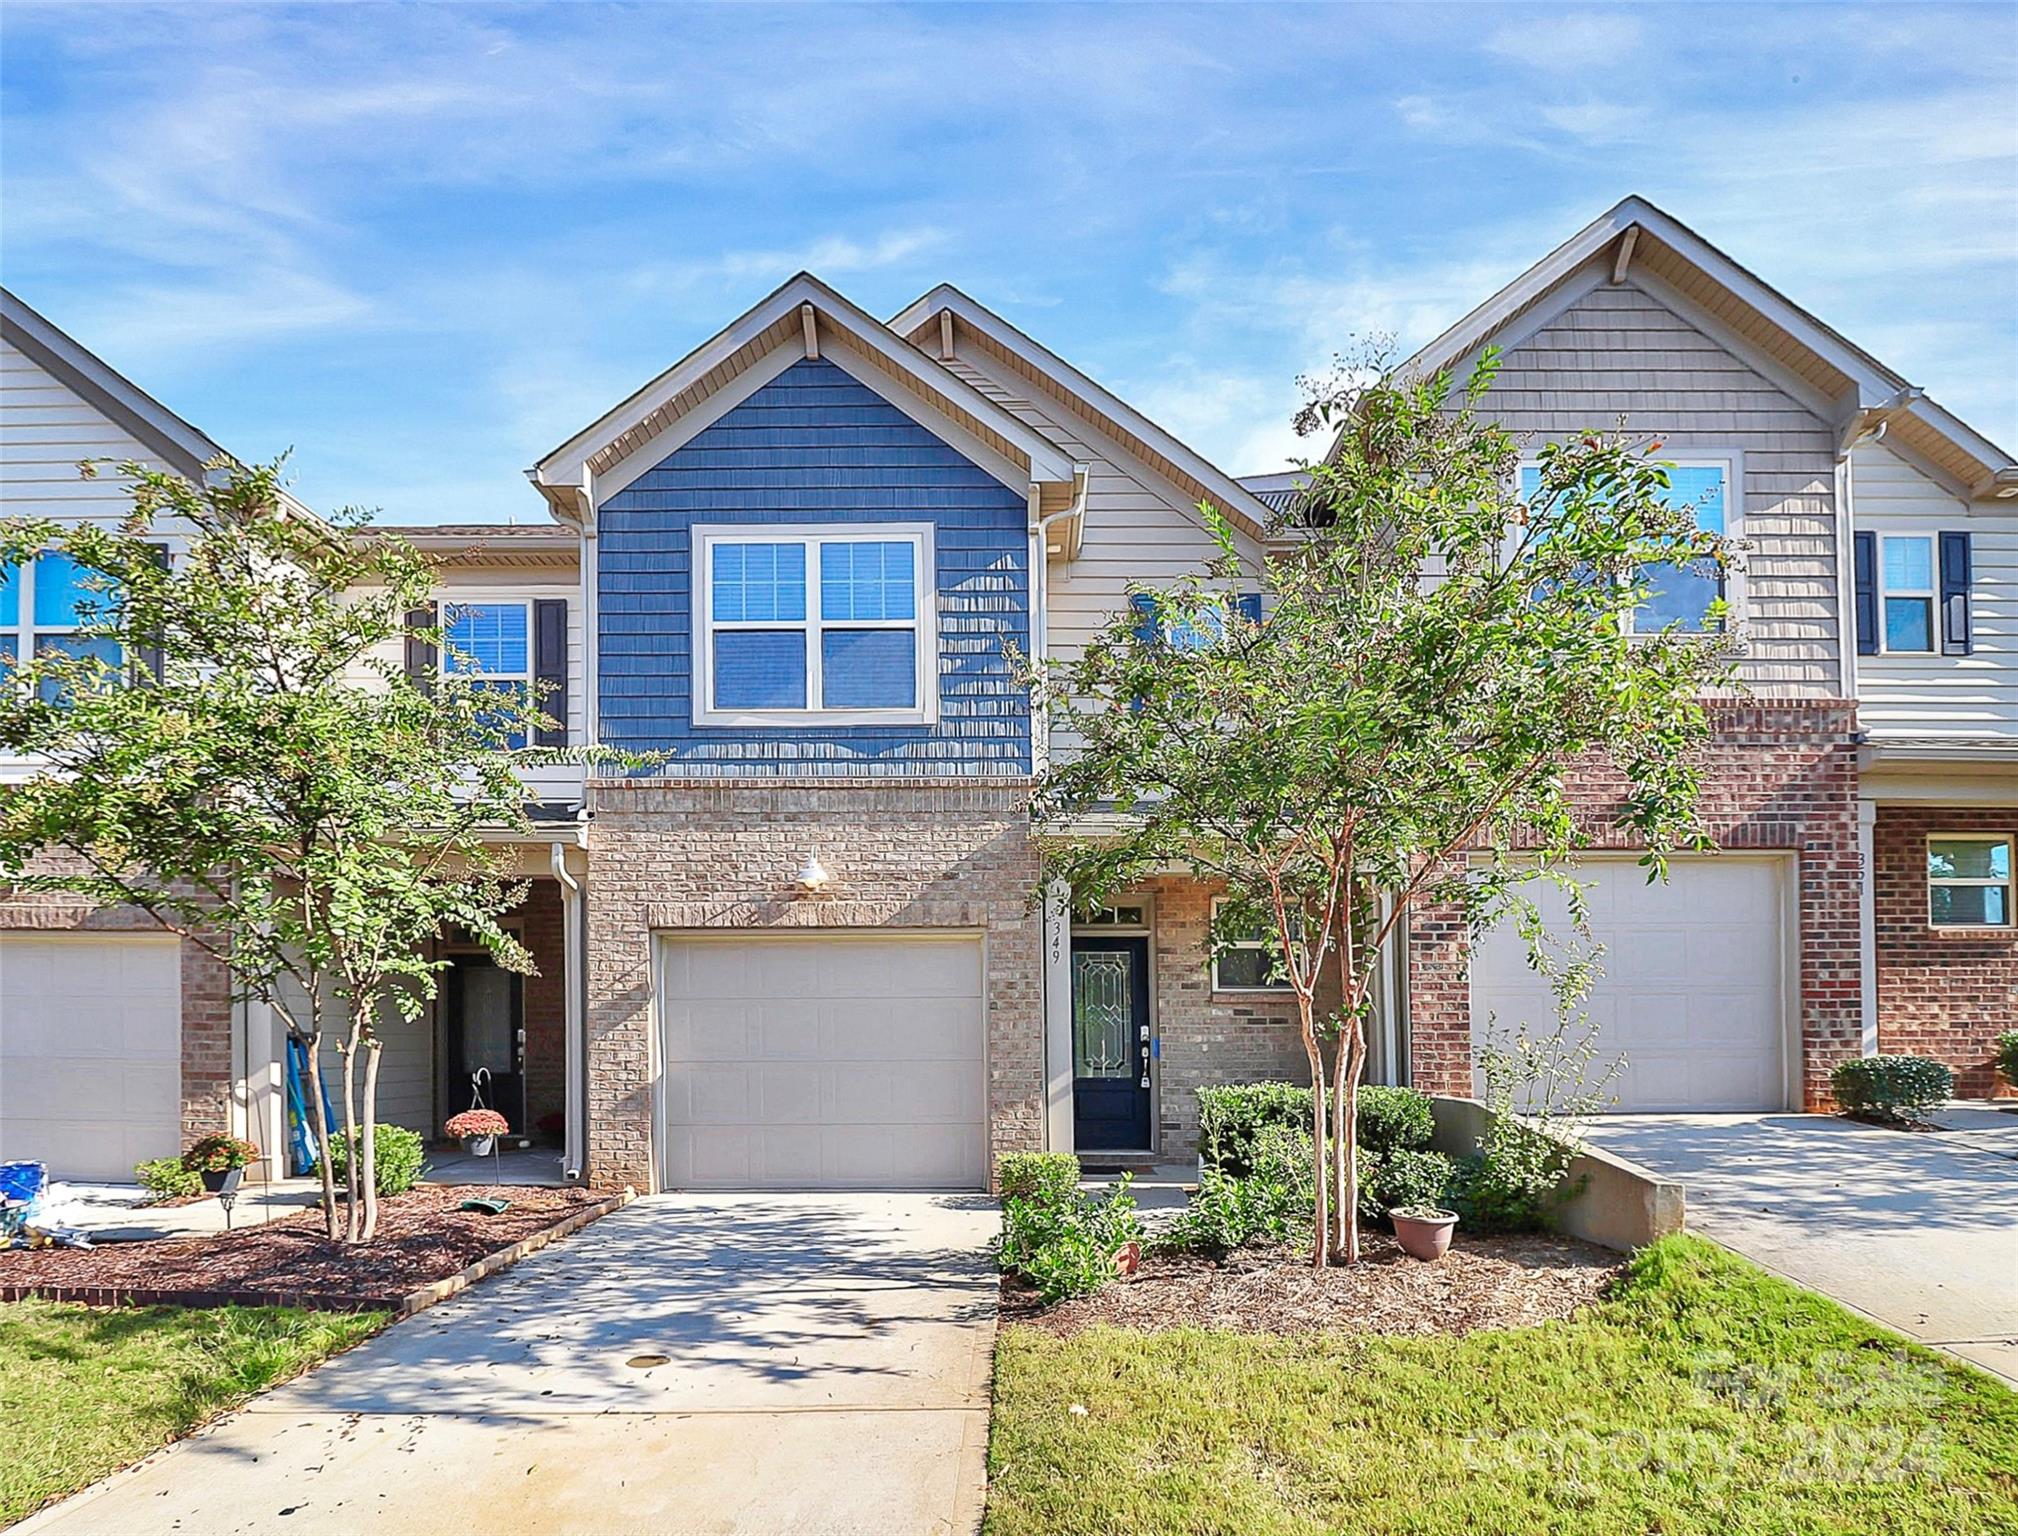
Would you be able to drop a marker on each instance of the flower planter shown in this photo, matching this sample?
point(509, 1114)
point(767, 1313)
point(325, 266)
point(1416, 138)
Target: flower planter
point(222, 1181)
point(479, 1146)
point(1424, 1233)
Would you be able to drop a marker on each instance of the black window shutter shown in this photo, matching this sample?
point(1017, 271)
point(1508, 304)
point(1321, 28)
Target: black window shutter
point(421, 657)
point(150, 657)
point(550, 667)
point(1867, 594)
point(1955, 577)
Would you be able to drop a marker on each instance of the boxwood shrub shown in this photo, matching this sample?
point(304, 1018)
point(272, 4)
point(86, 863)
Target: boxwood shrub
point(1231, 1120)
point(165, 1178)
point(2007, 1056)
point(1896, 1088)
point(1037, 1173)
point(397, 1162)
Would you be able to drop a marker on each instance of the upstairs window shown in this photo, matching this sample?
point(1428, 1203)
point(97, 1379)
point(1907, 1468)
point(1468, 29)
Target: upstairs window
point(1681, 593)
point(1968, 881)
point(492, 644)
point(42, 606)
point(1906, 593)
point(830, 625)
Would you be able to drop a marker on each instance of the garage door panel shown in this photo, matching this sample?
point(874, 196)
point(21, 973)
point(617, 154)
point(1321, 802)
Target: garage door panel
point(872, 1077)
point(90, 1052)
point(1692, 990)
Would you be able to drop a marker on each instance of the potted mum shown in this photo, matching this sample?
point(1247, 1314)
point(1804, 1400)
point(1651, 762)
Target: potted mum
point(1423, 1230)
point(478, 1130)
point(220, 1161)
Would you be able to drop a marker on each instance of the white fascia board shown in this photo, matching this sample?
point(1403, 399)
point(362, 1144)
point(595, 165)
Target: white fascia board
point(565, 466)
point(1237, 498)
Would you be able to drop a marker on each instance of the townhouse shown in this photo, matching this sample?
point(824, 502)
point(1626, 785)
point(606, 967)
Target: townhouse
point(809, 948)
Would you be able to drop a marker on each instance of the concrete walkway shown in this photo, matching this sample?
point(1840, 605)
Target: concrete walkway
point(1917, 1229)
point(727, 1364)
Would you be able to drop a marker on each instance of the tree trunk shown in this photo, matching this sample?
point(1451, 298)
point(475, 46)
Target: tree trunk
point(1351, 1067)
point(320, 1132)
point(1320, 1222)
point(367, 1156)
point(350, 1220)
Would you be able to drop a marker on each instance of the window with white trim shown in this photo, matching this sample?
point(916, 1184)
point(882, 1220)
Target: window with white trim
point(1968, 881)
point(1906, 593)
point(1680, 595)
point(43, 605)
point(814, 625)
point(1246, 961)
point(491, 643)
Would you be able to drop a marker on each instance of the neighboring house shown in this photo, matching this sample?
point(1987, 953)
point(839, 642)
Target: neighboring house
point(803, 949)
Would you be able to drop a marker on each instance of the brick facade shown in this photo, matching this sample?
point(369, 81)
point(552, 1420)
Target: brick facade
point(1942, 992)
point(685, 854)
point(1774, 776)
point(206, 995)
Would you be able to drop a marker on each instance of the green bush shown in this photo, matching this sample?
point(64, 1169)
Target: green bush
point(1064, 1242)
point(1394, 1119)
point(1408, 1176)
point(1273, 1203)
point(2007, 1056)
point(1896, 1088)
point(397, 1163)
point(1515, 1182)
point(1231, 1119)
point(1053, 1174)
point(165, 1178)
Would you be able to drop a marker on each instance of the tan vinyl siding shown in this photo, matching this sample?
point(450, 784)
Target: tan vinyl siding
point(1971, 696)
point(1137, 529)
point(46, 430)
point(1619, 353)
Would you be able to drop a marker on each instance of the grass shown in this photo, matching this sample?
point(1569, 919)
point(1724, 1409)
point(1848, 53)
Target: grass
point(85, 1391)
point(1704, 1396)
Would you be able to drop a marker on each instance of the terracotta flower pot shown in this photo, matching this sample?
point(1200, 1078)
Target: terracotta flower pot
point(1425, 1234)
point(1127, 1259)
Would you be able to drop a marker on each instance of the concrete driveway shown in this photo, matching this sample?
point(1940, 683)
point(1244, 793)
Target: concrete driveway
point(1919, 1230)
point(749, 1363)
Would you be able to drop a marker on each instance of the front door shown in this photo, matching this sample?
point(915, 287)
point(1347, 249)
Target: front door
point(1110, 1044)
point(486, 1032)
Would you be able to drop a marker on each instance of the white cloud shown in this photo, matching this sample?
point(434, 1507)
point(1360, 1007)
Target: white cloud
point(1569, 44)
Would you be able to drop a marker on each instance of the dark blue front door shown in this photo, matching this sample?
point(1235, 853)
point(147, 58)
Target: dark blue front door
point(1110, 1044)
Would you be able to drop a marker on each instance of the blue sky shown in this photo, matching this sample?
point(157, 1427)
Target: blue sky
point(421, 245)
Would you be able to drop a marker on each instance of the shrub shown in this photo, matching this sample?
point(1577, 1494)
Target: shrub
point(218, 1154)
point(1272, 1203)
point(1515, 1182)
point(1061, 1241)
point(1232, 1117)
point(397, 1161)
point(165, 1178)
point(1050, 1174)
point(1393, 1119)
point(1405, 1177)
point(1892, 1088)
point(2007, 1056)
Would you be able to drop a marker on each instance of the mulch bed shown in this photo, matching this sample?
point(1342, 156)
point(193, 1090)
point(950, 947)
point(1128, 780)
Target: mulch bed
point(1483, 1282)
point(422, 1239)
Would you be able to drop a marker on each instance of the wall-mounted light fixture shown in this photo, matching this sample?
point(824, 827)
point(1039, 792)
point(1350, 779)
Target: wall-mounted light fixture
point(813, 874)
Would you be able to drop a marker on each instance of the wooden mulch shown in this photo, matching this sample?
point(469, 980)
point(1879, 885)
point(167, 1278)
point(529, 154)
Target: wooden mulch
point(422, 1238)
point(1483, 1282)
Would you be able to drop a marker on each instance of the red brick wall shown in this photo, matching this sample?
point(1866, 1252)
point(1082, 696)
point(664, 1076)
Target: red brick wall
point(1775, 775)
point(206, 996)
point(1942, 992)
point(543, 929)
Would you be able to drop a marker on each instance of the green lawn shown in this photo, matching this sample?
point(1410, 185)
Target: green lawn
point(1706, 1396)
point(84, 1391)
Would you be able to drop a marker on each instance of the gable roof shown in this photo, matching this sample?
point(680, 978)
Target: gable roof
point(180, 446)
point(1099, 407)
point(796, 313)
point(1860, 391)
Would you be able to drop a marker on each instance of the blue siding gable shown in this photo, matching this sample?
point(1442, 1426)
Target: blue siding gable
point(814, 446)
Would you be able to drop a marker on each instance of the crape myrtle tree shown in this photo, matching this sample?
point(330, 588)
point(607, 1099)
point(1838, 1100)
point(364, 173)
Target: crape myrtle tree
point(230, 742)
point(1441, 643)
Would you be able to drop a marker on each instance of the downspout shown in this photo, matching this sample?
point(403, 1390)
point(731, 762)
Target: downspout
point(575, 1134)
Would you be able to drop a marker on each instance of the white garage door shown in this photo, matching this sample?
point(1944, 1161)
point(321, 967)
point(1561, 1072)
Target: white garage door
point(836, 1061)
point(1693, 993)
point(90, 1052)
